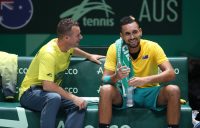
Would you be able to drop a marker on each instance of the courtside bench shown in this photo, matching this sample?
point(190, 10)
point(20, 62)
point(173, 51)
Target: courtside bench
point(83, 78)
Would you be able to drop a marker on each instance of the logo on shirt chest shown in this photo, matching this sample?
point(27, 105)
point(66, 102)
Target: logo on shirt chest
point(49, 74)
point(145, 57)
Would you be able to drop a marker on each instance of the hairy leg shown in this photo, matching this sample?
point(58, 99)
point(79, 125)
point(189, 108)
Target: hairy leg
point(170, 96)
point(109, 95)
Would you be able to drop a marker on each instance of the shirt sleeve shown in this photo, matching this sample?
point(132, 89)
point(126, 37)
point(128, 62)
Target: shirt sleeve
point(110, 62)
point(47, 67)
point(160, 55)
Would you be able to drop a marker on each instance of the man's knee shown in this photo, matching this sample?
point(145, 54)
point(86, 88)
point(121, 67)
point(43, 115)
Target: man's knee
point(173, 90)
point(106, 90)
point(54, 97)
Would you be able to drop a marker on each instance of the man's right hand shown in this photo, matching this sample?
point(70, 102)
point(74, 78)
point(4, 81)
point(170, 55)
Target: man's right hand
point(80, 102)
point(122, 72)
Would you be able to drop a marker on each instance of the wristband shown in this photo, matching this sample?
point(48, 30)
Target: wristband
point(107, 80)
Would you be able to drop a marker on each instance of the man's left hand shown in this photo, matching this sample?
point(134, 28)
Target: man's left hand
point(137, 81)
point(95, 58)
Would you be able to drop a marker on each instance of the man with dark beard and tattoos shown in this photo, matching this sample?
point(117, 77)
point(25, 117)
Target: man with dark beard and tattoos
point(131, 76)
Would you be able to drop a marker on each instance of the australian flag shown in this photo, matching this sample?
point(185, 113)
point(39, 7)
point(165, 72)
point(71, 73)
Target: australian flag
point(15, 14)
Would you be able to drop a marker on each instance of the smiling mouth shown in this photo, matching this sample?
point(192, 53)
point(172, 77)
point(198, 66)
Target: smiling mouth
point(134, 41)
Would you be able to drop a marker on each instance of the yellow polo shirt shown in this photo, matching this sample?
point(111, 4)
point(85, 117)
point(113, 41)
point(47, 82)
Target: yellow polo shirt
point(49, 64)
point(146, 64)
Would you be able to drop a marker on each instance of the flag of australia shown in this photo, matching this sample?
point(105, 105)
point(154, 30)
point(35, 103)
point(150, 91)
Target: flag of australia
point(15, 14)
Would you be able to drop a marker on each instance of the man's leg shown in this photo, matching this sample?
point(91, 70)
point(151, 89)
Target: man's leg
point(75, 117)
point(109, 95)
point(46, 102)
point(170, 96)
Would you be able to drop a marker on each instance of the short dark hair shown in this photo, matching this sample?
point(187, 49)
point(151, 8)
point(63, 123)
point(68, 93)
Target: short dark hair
point(127, 20)
point(65, 25)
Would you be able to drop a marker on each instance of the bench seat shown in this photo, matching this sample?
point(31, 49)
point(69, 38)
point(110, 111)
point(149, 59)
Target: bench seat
point(83, 78)
point(131, 118)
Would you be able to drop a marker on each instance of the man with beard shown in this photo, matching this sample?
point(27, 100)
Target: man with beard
point(40, 90)
point(131, 70)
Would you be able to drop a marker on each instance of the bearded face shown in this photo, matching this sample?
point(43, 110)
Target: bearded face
point(131, 34)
